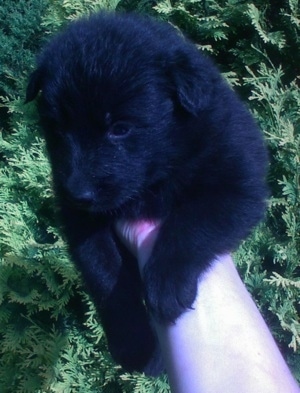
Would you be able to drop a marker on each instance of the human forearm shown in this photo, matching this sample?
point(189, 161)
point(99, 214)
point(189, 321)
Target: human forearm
point(223, 345)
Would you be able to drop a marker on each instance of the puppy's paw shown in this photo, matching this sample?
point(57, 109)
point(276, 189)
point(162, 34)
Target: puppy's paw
point(137, 351)
point(131, 340)
point(168, 294)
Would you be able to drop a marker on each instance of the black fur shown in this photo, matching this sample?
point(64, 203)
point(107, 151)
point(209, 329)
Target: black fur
point(139, 124)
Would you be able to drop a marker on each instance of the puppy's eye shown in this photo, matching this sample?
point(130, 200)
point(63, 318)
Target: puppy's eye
point(119, 130)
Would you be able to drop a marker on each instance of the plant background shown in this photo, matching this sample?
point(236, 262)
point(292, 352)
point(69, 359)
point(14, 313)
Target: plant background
point(51, 339)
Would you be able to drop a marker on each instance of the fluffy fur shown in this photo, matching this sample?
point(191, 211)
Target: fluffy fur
point(139, 124)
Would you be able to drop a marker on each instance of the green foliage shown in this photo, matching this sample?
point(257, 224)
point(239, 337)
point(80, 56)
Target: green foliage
point(51, 339)
point(239, 33)
point(62, 11)
point(139, 383)
point(19, 32)
point(19, 36)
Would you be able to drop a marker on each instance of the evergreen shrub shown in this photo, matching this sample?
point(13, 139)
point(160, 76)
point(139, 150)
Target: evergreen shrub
point(51, 339)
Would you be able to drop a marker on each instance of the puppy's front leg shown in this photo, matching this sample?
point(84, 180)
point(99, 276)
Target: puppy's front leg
point(188, 242)
point(93, 250)
point(112, 279)
point(171, 274)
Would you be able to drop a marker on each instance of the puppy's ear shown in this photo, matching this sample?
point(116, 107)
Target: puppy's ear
point(193, 79)
point(34, 85)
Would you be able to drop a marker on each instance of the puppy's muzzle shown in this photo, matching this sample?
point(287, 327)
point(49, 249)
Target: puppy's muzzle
point(82, 199)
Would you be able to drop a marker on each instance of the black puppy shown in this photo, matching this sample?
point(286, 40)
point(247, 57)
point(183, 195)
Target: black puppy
point(138, 124)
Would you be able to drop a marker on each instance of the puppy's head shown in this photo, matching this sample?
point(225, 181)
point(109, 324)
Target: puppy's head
point(116, 92)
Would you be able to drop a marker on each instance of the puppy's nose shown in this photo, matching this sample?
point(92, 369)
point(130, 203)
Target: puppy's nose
point(83, 199)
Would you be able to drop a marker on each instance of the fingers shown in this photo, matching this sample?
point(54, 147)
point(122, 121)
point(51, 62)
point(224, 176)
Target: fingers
point(139, 236)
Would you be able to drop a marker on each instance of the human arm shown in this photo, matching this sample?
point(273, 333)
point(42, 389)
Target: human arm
point(222, 344)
